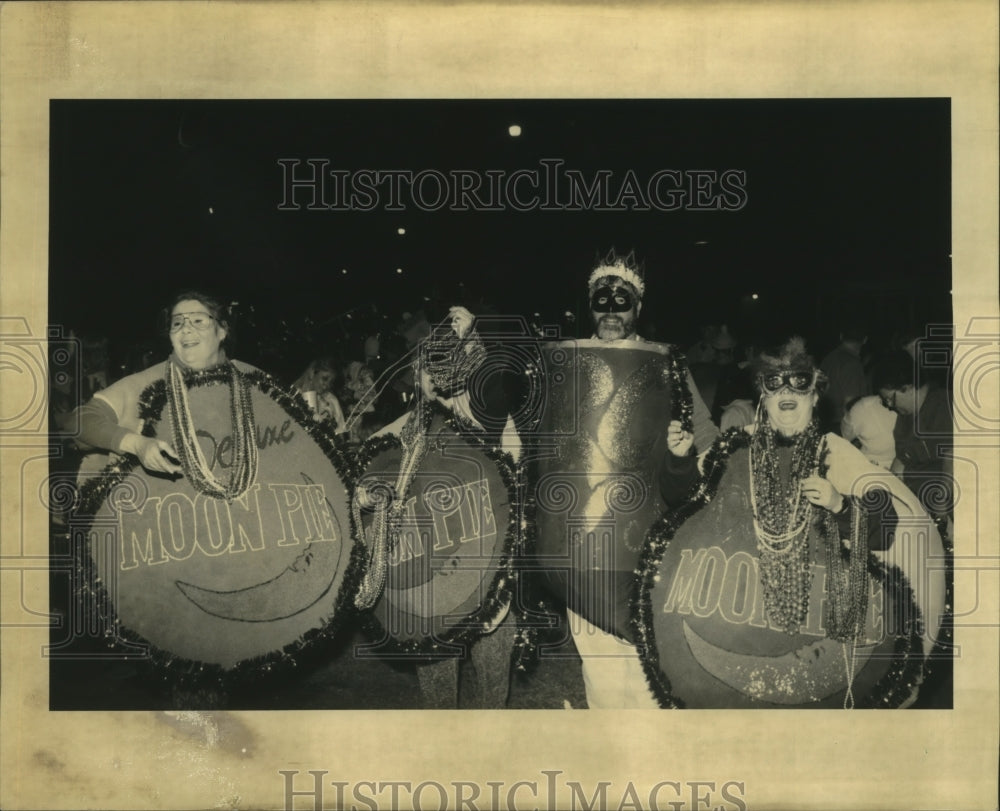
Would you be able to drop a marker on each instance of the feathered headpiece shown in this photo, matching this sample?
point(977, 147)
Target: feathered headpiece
point(790, 356)
point(450, 360)
point(625, 268)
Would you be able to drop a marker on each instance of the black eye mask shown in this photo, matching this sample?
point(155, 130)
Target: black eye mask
point(606, 300)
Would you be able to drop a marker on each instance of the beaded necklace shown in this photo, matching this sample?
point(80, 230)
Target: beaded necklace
point(383, 534)
point(244, 433)
point(781, 522)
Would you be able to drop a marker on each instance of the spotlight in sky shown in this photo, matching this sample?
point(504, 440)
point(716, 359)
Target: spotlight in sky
point(401, 231)
point(514, 130)
point(399, 270)
point(344, 271)
point(754, 296)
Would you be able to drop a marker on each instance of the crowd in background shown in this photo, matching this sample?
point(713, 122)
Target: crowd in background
point(355, 370)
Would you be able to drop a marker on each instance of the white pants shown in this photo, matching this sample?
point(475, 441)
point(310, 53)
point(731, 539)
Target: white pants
point(612, 672)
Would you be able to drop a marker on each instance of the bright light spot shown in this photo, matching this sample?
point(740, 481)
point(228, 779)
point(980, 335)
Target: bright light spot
point(568, 314)
point(514, 130)
point(344, 271)
point(538, 315)
point(701, 242)
point(401, 231)
point(755, 297)
point(399, 270)
point(211, 210)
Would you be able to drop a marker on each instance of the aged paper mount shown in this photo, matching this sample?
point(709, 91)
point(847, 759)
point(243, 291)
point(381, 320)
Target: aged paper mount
point(387, 50)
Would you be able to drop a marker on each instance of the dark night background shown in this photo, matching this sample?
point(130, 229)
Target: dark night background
point(848, 212)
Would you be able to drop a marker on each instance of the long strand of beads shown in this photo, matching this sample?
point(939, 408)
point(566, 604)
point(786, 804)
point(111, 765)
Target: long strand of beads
point(385, 523)
point(781, 522)
point(244, 433)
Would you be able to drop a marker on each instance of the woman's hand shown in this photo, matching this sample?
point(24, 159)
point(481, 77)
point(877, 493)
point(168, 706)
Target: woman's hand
point(461, 320)
point(154, 454)
point(820, 492)
point(679, 441)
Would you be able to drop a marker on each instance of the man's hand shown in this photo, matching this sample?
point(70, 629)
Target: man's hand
point(154, 454)
point(679, 441)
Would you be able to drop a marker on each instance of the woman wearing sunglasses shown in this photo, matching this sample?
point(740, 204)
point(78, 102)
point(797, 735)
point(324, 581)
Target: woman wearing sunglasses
point(788, 571)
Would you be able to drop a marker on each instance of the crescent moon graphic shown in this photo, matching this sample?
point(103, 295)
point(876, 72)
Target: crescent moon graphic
point(811, 673)
point(310, 575)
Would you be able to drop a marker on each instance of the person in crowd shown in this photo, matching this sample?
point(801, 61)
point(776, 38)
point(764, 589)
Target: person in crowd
point(869, 425)
point(923, 433)
point(96, 361)
point(702, 351)
point(846, 372)
point(738, 396)
point(445, 375)
point(924, 441)
point(110, 421)
point(612, 672)
point(316, 386)
point(809, 504)
point(711, 376)
point(359, 396)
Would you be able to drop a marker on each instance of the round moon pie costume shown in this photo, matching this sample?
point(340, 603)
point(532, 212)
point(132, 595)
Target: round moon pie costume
point(441, 527)
point(749, 597)
point(237, 564)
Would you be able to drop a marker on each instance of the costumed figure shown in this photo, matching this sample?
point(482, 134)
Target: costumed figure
point(601, 437)
point(214, 523)
point(437, 507)
point(315, 385)
point(359, 396)
point(793, 573)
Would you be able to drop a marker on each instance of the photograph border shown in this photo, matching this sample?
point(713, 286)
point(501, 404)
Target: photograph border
point(927, 759)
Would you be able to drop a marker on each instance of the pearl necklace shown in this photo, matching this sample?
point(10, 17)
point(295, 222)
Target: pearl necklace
point(781, 521)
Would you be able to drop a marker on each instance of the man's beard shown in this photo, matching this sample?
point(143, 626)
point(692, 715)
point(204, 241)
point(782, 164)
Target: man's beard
point(613, 328)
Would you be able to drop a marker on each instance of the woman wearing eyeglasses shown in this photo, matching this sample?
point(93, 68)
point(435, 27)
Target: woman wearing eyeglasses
point(790, 571)
point(110, 421)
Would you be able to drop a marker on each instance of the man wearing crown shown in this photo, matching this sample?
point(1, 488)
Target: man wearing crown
point(612, 672)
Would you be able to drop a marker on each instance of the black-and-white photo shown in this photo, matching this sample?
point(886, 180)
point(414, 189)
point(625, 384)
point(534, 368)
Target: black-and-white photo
point(526, 404)
point(406, 405)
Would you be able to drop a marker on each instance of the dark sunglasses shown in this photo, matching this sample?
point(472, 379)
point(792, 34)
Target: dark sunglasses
point(800, 382)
